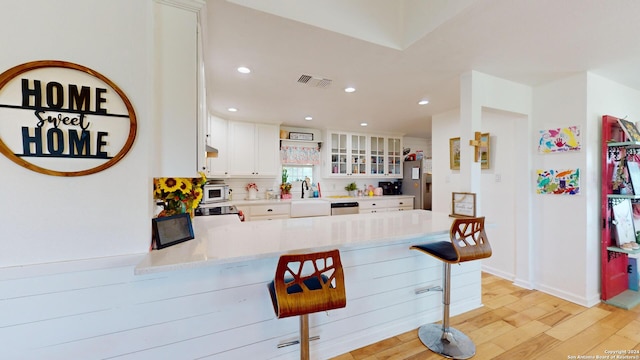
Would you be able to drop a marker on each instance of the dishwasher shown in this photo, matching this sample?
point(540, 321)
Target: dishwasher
point(344, 208)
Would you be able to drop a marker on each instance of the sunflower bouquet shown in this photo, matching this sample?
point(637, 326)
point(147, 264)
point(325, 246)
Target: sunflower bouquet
point(178, 195)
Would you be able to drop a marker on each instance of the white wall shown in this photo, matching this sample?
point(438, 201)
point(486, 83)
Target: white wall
point(568, 227)
point(49, 218)
point(547, 242)
point(416, 144)
point(560, 231)
point(499, 198)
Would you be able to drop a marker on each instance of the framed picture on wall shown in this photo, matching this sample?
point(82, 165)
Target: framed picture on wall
point(485, 151)
point(454, 153)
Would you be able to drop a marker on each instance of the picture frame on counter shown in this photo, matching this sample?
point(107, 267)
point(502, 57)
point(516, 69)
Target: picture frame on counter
point(301, 136)
point(463, 204)
point(171, 230)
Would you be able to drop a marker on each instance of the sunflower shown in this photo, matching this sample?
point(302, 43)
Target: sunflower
point(169, 184)
point(178, 194)
point(197, 197)
point(184, 185)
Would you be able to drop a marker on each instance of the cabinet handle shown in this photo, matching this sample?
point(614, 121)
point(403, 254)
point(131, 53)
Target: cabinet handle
point(401, 203)
point(269, 209)
point(374, 204)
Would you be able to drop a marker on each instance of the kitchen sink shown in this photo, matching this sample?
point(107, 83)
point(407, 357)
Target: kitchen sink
point(310, 207)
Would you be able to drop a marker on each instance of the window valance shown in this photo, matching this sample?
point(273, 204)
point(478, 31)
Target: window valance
point(300, 155)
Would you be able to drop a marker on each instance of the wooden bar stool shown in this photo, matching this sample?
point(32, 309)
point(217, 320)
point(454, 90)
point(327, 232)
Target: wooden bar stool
point(468, 242)
point(307, 283)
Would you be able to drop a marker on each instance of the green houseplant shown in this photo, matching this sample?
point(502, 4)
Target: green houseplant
point(285, 187)
point(351, 188)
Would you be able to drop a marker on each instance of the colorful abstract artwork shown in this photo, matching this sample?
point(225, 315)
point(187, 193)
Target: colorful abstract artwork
point(559, 140)
point(558, 182)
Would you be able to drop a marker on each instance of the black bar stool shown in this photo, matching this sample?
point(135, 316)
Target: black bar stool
point(468, 242)
point(307, 283)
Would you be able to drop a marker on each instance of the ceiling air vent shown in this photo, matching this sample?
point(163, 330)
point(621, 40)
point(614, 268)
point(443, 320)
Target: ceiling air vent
point(314, 81)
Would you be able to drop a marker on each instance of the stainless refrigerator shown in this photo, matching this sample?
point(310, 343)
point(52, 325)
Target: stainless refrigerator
point(417, 183)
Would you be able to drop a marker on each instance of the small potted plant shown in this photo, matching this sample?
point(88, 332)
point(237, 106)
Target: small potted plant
point(285, 187)
point(252, 188)
point(285, 191)
point(351, 188)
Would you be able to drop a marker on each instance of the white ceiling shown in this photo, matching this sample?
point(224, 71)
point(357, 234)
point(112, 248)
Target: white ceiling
point(398, 52)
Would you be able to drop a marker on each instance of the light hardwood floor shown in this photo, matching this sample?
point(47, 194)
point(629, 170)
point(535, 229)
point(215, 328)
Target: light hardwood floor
point(515, 323)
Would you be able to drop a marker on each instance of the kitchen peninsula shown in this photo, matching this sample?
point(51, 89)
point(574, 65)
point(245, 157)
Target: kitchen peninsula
point(227, 267)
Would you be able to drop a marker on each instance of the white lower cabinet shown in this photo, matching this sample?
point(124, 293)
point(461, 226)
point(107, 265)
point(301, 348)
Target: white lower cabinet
point(268, 212)
point(367, 206)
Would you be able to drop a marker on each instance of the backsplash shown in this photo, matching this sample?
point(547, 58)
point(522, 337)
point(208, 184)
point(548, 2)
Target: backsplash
point(328, 187)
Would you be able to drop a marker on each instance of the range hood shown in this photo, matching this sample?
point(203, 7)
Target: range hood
point(211, 151)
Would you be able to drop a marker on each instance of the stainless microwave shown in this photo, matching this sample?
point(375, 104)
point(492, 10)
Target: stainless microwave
point(215, 193)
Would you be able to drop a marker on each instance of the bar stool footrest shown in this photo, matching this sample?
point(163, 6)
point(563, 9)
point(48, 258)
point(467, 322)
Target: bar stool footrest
point(454, 344)
point(296, 341)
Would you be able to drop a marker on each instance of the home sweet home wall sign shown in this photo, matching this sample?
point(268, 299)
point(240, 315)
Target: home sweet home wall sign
point(63, 119)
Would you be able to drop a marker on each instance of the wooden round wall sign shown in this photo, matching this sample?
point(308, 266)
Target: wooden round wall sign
point(63, 119)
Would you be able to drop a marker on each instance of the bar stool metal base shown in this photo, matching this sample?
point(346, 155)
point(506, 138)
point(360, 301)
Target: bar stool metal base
point(452, 344)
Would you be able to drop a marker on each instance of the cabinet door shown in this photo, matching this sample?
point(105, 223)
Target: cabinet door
point(178, 139)
point(241, 148)
point(217, 137)
point(394, 157)
point(266, 140)
point(376, 148)
point(358, 154)
point(338, 154)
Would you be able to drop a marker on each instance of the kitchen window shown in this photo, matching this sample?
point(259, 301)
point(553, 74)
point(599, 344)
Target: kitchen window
point(299, 172)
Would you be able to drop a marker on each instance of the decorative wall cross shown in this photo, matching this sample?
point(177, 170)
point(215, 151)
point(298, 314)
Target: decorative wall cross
point(477, 143)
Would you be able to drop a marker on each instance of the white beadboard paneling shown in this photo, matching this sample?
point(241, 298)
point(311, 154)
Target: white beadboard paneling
point(221, 311)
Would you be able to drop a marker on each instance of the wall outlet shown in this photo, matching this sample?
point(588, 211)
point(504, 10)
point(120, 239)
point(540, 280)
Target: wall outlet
point(498, 177)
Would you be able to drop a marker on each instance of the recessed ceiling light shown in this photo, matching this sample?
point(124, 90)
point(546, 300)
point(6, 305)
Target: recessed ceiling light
point(244, 70)
point(423, 102)
point(308, 118)
point(349, 89)
point(363, 124)
point(232, 109)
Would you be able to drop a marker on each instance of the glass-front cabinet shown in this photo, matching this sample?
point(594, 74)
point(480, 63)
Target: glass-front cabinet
point(348, 154)
point(377, 155)
point(338, 153)
point(394, 156)
point(358, 159)
point(362, 155)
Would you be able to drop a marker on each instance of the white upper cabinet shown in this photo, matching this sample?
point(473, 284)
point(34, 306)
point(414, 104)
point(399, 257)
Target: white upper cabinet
point(361, 155)
point(217, 137)
point(394, 157)
point(180, 136)
point(347, 154)
point(378, 155)
point(253, 149)
point(267, 153)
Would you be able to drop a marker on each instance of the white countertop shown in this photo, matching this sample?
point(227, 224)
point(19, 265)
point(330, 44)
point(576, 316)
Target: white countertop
point(219, 244)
